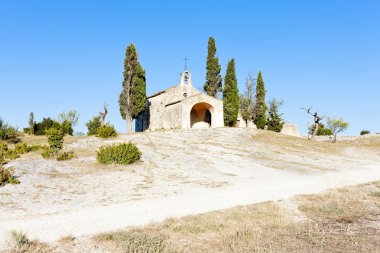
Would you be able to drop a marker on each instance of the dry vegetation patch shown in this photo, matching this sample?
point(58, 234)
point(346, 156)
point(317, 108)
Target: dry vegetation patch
point(343, 220)
point(338, 221)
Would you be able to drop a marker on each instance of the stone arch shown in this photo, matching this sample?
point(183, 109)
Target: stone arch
point(201, 115)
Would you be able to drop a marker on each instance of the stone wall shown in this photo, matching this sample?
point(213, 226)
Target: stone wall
point(290, 129)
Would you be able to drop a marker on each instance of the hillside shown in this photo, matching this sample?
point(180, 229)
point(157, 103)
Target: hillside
point(181, 172)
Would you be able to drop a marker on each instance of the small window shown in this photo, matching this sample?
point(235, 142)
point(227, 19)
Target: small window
point(185, 94)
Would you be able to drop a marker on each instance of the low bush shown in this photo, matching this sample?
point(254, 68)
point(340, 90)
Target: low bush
point(11, 154)
point(106, 131)
point(19, 239)
point(322, 130)
point(123, 153)
point(6, 153)
point(93, 126)
point(49, 152)
point(65, 156)
point(8, 133)
point(6, 176)
point(364, 132)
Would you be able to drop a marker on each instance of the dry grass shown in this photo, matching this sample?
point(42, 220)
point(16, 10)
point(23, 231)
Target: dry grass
point(338, 221)
point(343, 220)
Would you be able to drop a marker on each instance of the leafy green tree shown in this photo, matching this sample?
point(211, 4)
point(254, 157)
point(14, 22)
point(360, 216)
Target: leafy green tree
point(132, 100)
point(67, 128)
point(336, 126)
point(71, 116)
point(260, 107)
point(274, 121)
point(45, 124)
point(31, 123)
point(213, 83)
point(93, 125)
point(230, 95)
point(247, 102)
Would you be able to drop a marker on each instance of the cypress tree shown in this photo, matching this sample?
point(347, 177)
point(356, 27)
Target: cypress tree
point(213, 83)
point(274, 121)
point(230, 95)
point(31, 123)
point(260, 107)
point(132, 100)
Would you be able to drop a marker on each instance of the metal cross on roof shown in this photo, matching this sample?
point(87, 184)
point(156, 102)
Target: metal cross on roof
point(186, 59)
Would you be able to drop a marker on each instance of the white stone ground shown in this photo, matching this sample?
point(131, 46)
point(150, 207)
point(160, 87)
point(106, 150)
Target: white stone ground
point(182, 172)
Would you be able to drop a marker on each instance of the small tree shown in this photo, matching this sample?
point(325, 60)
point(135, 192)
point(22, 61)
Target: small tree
point(336, 126)
point(230, 96)
point(247, 101)
point(31, 123)
point(71, 117)
point(213, 83)
point(274, 121)
point(55, 138)
point(260, 106)
point(93, 125)
point(132, 99)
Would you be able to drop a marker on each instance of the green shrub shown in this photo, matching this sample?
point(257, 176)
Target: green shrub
point(44, 125)
point(65, 156)
point(8, 133)
point(49, 152)
point(364, 132)
point(322, 130)
point(55, 138)
point(21, 148)
point(123, 153)
point(11, 154)
point(6, 176)
point(93, 125)
point(106, 131)
point(67, 128)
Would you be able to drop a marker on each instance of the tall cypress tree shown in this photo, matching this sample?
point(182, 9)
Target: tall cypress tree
point(260, 117)
point(31, 123)
point(230, 95)
point(132, 100)
point(213, 83)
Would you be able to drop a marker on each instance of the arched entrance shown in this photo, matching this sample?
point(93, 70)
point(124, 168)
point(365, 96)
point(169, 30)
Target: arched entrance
point(201, 115)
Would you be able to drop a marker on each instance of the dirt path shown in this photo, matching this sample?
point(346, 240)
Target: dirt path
point(182, 173)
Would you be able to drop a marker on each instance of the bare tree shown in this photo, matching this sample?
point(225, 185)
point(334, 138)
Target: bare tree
point(247, 100)
point(103, 114)
point(317, 121)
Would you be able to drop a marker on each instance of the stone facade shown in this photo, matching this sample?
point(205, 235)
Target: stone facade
point(180, 106)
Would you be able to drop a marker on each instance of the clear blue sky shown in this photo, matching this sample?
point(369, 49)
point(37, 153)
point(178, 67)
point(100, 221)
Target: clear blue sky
point(62, 55)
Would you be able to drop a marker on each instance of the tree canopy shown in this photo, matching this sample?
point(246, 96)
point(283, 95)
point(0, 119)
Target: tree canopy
point(230, 95)
point(213, 83)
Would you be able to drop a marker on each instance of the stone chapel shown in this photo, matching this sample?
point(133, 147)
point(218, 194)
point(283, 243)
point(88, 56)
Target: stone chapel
point(180, 106)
